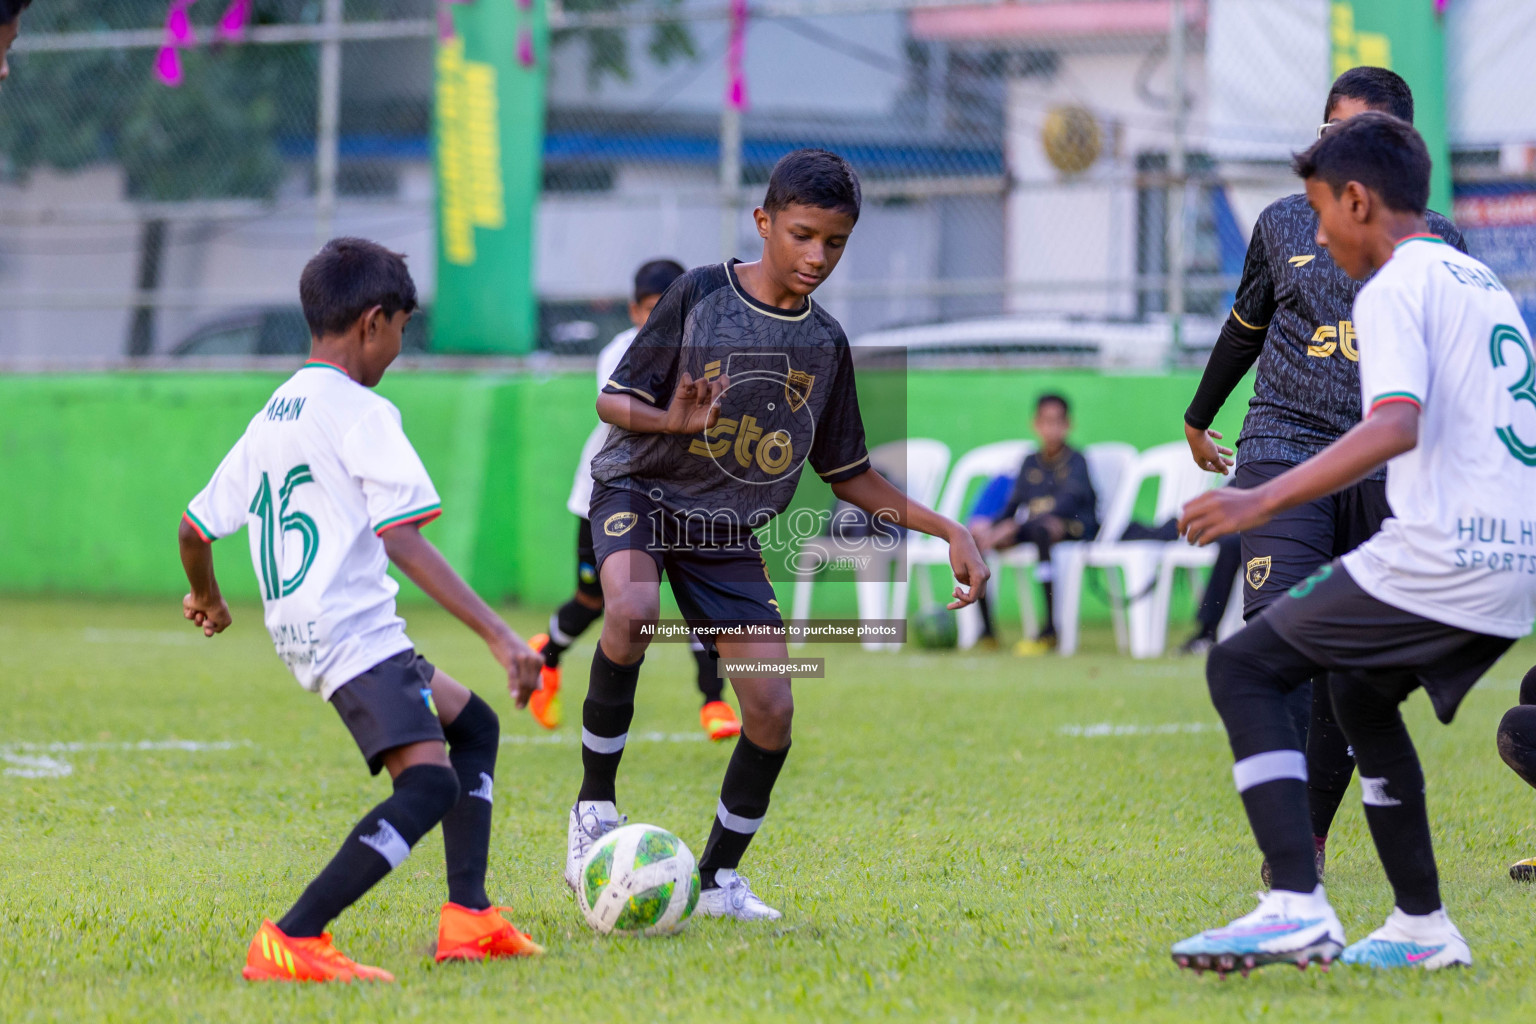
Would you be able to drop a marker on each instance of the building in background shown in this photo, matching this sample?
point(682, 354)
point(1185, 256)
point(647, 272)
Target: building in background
point(1015, 158)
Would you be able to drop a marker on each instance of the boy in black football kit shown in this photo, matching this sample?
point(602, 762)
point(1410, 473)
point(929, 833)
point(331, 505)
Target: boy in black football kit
point(1052, 500)
point(735, 381)
point(1292, 315)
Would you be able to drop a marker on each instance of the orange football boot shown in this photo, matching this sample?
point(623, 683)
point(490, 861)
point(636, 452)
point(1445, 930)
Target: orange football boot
point(274, 956)
point(719, 720)
point(465, 934)
point(544, 705)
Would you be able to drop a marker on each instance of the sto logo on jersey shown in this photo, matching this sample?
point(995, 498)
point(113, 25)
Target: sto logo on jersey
point(766, 427)
point(1328, 339)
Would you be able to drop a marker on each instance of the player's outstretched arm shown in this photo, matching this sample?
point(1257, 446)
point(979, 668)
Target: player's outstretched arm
point(1390, 431)
point(204, 606)
point(876, 495)
point(695, 407)
point(429, 570)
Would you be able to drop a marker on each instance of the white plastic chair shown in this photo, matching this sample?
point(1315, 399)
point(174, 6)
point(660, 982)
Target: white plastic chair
point(978, 464)
point(1107, 463)
point(1180, 554)
point(1135, 563)
point(918, 463)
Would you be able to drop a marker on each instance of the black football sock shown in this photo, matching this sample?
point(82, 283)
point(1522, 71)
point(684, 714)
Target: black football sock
point(711, 686)
point(1329, 762)
point(377, 845)
point(605, 718)
point(473, 739)
point(1391, 785)
point(1048, 627)
point(985, 607)
point(1250, 677)
point(1218, 591)
point(568, 622)
point(749, 780)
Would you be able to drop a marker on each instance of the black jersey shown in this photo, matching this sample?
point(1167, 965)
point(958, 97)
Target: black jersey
point(791, 400)
point(1307, 393)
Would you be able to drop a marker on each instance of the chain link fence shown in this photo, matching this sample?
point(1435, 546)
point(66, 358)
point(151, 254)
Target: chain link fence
point(1071, 180)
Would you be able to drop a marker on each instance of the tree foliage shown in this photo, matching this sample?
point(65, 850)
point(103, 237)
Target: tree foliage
point(608, 49)
point(217, 135)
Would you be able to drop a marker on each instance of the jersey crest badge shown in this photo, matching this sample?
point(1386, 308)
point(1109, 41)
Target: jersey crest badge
point(620, 523)
point(797, 388)
point(1301, 261)
point(1258, 571)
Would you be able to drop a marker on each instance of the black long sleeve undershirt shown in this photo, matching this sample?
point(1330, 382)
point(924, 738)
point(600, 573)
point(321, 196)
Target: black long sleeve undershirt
point(1237, 349)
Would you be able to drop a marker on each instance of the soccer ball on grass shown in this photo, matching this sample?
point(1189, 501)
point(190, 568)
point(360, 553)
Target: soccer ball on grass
point(639, 880)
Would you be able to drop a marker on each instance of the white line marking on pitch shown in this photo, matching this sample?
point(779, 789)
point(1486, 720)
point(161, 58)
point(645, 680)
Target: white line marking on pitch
point(634, 737)
point(1110, 729)
point(32, 760)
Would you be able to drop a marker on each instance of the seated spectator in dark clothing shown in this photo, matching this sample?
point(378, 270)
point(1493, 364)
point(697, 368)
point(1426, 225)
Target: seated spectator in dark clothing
point(1052, 500)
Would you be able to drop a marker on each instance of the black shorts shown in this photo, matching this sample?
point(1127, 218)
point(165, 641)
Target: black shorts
point(719, 581)
point(1291, 546)
point(389, 706)
point(1336, 625)
point(586, 561)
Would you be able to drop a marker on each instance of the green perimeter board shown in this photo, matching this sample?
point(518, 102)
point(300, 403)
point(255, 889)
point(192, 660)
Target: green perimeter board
point(488, 134)
point(102, 465)
point(1408, 37)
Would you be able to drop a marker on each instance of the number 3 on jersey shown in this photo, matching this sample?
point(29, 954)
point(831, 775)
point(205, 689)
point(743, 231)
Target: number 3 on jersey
point(1523, 390)
point(275, 526)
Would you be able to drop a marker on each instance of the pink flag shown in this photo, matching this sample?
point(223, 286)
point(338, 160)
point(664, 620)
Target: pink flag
point(178, 26)
point(168, 66)
point(525, 54)
point(232, 25)
point(735, 57)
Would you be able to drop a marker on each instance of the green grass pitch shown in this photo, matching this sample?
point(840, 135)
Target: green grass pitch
point(948, 842)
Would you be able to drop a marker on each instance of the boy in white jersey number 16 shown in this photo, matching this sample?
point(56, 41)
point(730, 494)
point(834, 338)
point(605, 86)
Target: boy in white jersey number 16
point(331, 492)
point(1431, 601)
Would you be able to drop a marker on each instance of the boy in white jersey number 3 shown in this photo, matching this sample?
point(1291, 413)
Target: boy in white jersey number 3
point(1431, 601)
point(332, 492)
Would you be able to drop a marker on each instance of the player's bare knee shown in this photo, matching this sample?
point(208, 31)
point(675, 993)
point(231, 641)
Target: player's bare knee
point(768, 711)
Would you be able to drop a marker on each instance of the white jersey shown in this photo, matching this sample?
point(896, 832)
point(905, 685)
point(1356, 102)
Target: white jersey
point(1437, 329)
point(580, 501)
point(319, 474)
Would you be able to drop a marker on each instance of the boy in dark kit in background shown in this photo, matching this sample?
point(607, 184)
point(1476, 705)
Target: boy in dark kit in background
point(1052, 500)
point(736, 380)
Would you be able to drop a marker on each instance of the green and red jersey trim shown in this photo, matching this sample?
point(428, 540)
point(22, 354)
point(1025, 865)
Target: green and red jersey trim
point(328, 366)
point(421, 516)
point(198, 528)
point(1422, 236)
point(1396, 396)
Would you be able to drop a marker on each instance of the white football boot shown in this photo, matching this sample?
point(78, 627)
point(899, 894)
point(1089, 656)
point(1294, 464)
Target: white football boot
point(1427, 942)
point(590, 820)
point(1287, 927)
point(733, 897)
